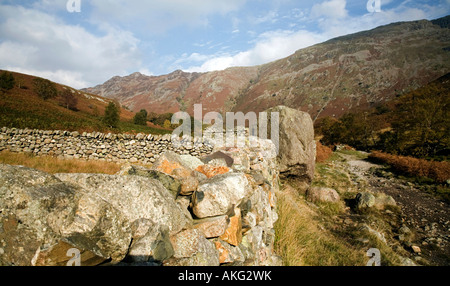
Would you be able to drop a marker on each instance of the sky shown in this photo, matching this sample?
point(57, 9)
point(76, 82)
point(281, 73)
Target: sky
point(83, 43)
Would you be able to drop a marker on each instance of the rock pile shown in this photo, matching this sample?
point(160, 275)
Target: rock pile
point(213, 210)
point(96, 146)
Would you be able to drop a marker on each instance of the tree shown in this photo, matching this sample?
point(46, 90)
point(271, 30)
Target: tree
point(111, 117)
point(141, 117)
point(422, 121)
point(167, 124)
point(45, 88)
point(7, 81)
point(332, 130)
point(355, 129)
point(68, 100)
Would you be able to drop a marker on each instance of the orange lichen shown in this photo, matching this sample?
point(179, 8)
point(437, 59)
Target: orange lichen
point(168, 167)
point(211, 171)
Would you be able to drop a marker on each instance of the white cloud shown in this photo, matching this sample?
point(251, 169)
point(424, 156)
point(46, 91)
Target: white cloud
point(333, 9)
point(35, 42)
point(269, 46)
point(145, 71)
point(158, 16)
point(333, 27)
point(270, 17)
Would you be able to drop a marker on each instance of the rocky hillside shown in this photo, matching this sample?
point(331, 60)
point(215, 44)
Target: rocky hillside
point(347, 73)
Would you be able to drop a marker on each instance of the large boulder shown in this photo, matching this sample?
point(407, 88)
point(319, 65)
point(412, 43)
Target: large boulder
point(43, 216)
point(30, 201)
point(40, 216)
point(136, 197)
point(297, 148)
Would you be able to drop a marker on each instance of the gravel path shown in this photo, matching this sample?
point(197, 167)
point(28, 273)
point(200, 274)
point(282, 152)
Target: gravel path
point(427, 216)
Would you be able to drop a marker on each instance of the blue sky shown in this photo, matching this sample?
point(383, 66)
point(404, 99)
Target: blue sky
point(154, 37)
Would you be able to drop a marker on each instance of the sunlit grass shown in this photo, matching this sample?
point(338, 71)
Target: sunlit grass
point(300, 240)
point(54, 165)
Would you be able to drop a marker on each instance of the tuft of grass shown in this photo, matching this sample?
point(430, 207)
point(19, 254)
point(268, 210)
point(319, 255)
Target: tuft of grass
point(54, 165)
point(358, 154)
point(332, 176)
point(301, 241)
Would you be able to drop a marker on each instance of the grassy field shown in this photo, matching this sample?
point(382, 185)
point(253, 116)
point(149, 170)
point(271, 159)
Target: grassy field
point(54, 165)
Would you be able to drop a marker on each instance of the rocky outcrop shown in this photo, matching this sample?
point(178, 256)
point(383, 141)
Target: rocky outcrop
point(297, 147)
point(212, 214)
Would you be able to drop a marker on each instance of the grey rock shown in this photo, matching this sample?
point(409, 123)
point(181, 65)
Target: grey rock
point(42, 211)
point(317, 194)
point(136, 197)
point(172, 185)
point(31, 201)
point(382, 200)
point(155, 246)
point(365, 200)
point(217, 195)
point(297, 147)
point(191, 248)
point(212, 227)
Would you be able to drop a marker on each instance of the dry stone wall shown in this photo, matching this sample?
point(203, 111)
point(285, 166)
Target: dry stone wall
point(95, 146)
point(202, 205)
point(218, 209)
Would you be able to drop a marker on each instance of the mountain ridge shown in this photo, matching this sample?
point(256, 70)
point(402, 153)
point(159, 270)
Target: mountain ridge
point(355, 71)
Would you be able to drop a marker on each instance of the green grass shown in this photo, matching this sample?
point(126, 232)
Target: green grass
point(46, 115)
point(130, 127)
point(331, 176)
point(357, 154)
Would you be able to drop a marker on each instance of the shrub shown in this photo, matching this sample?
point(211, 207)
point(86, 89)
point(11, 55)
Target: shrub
point(438, 171)
point(167, 124)
point(160, 119)
point(68, 100)
point(45, 88)
point(111, 118)
point(7, 81)
point(322, 152)
point(141, 118)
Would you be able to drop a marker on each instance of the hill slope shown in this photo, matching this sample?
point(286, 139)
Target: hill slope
point(21, 107)
point(329, 79)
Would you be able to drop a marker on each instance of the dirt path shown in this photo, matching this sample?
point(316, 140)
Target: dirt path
point(427, 216)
